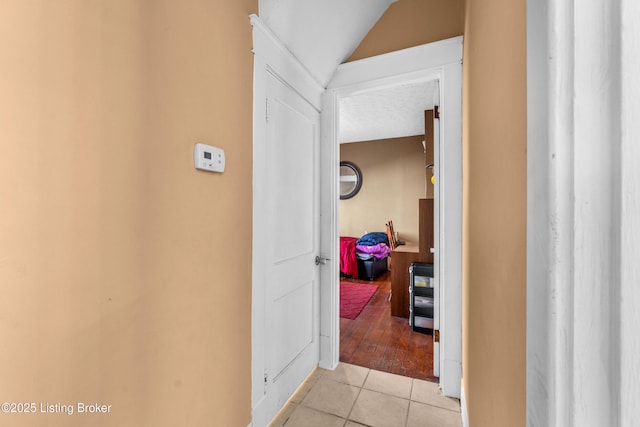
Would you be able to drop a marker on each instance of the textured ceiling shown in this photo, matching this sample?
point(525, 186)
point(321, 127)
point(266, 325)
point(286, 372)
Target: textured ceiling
point(390, 112)
point(321, 33)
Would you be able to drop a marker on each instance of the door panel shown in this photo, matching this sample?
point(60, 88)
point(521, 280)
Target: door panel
point(290, 168)
point(295, 308)
point(291, 220)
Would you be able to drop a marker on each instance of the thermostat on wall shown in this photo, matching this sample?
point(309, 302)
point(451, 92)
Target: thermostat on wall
point(208, 158)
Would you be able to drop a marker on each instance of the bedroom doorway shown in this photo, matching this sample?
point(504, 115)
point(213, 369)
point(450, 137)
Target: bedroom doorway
point(398, 185)
point(440, 61)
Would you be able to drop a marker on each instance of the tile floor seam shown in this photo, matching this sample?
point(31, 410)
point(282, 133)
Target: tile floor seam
point(334, 413)
point(321, 411)
point(356, 400)
point(436, 406)
point(391, 395)
point(406, 419)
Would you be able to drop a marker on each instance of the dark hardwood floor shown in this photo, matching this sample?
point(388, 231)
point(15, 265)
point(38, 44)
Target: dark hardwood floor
point(377, 340)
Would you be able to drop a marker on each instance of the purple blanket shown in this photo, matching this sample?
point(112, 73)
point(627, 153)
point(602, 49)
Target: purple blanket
point(379, 251)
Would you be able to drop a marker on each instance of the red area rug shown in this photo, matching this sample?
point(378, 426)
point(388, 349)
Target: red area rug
point(353, 298)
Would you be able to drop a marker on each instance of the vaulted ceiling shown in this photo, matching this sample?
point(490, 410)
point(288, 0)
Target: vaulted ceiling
point(322, 34)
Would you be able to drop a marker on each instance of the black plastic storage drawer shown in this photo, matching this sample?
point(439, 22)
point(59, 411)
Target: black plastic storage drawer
point(421, 297)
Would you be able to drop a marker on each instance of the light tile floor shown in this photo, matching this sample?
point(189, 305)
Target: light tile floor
point(353, 396)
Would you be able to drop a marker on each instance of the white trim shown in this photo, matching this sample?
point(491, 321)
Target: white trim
point(463, 407)
point(415, 64)
point(450, 238)
point(630, 215)
point(540, 393)
point(583, 213)
point(284, 63)
point(329, 229)
point(401, 62)
point(258, 267)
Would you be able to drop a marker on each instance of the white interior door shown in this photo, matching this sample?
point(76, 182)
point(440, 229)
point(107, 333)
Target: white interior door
point(290, 223)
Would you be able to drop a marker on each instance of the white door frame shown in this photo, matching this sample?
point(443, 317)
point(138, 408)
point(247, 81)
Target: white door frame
point(583, 213)
point(437, 238)
point(270, 57)
point(442, 61)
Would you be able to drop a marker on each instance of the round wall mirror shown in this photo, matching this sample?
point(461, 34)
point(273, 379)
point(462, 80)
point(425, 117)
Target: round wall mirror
point(350, 180)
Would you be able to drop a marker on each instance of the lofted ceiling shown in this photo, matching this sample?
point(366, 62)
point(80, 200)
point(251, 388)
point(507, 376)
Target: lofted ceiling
point(322, 34)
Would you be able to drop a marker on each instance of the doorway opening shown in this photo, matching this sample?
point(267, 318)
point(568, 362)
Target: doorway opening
point(441, 62)
point(388, 211)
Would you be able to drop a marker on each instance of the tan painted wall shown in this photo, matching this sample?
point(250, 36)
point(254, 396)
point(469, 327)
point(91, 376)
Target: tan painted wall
point(125, 273)
point(409, 23)
point(393, 181)
point(494, 217)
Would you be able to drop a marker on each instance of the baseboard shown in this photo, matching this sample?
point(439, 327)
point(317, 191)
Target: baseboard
point(463, 407)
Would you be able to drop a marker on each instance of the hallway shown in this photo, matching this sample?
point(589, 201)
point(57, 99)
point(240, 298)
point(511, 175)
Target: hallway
point(354, 396)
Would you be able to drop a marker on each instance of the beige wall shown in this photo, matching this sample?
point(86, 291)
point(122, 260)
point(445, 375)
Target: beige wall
point(494, 198)
point(409, 23)
point(494, 236)
point(393, 181)
point(125, 273)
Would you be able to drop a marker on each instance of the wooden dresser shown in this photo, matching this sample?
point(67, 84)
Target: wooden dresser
point(404, 255)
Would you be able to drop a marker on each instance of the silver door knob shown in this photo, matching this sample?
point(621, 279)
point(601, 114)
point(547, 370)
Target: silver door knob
point(321, 260)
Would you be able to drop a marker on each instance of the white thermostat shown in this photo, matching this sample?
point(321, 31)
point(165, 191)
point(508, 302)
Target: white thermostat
point(208, 158)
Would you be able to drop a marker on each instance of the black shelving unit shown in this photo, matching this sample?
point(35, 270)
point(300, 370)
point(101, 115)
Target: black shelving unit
point(421, 297)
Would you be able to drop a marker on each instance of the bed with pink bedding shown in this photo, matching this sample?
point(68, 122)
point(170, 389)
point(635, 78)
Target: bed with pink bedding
point(348, 257)
point(364, 258)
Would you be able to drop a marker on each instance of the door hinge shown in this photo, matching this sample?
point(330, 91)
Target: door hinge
point(265, 385)
point(266, 110)
point(436, 335)
point(436, 112)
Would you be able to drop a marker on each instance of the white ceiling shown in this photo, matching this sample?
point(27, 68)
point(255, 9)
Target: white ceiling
point(390, 112)
point(322, 34)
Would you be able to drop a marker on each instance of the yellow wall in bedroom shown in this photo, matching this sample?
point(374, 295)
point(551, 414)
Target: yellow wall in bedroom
point(393, 181)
